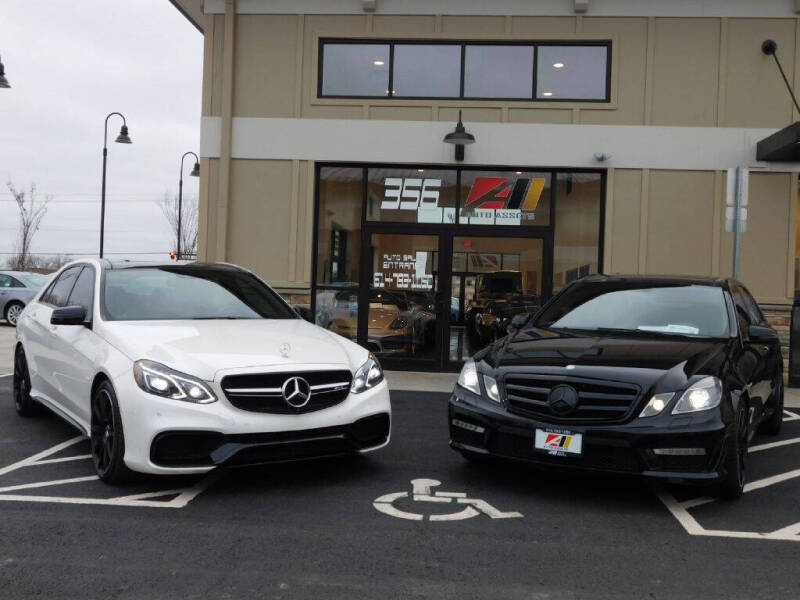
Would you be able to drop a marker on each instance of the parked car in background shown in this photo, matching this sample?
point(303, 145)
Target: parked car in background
point(492, 323)
point(17, 288)
point(182, 368)
point(664, 377)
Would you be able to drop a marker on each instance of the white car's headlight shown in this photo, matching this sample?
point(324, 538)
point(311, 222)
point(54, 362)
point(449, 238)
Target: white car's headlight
point(367, 376)
point(468, 378)
point(702, 395)
point(160, 380)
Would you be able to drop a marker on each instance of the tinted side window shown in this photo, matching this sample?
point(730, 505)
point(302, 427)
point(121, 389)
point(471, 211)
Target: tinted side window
point(59, 292)
point(83, 292)
point(752, 308)
point(5, 281)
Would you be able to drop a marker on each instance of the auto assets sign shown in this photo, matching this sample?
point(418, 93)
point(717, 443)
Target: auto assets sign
point(490, 201)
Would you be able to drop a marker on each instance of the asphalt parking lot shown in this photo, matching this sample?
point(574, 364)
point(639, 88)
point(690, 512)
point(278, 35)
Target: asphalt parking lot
point(359, 528)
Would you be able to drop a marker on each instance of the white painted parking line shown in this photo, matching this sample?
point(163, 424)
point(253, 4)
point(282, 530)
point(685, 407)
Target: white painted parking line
point(422, 493)
point(790, 416)
point(41, 484)
point(145, 499)
point(770, 445)
point(680, 510)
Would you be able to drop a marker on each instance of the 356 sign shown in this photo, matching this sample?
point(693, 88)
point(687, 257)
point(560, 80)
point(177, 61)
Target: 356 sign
point(410, 193)
point(518, 196)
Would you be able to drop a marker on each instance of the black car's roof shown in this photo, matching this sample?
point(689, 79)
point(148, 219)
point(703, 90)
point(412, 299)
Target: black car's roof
point(656, 280)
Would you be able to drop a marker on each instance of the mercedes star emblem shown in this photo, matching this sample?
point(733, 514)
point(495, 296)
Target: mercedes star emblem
point(296, 391)
point(284, 349)
point(563, 399)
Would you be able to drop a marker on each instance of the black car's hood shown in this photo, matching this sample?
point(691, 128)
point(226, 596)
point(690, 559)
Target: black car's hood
point(637, 359)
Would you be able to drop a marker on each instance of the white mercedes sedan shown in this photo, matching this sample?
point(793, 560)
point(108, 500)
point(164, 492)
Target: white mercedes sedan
point(182, 368)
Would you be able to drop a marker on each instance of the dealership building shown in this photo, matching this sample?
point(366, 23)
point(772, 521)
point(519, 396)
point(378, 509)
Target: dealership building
point(595, 136)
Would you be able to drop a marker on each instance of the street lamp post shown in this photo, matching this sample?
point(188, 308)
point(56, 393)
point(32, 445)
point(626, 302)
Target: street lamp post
point(122, 138)
point(195, 173)
point(3, 81)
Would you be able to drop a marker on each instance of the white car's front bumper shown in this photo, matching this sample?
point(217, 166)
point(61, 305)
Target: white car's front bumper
point(234, 436)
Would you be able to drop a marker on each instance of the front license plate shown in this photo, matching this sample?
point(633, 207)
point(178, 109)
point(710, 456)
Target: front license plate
point(558, 442)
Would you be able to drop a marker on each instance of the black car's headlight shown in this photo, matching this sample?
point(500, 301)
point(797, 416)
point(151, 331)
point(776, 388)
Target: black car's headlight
point(701, 395)
point(160, 380)
point(468, 379)
point(367, 376)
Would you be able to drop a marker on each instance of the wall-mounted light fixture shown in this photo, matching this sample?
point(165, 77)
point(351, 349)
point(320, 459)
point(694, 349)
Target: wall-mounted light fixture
point(459, 137)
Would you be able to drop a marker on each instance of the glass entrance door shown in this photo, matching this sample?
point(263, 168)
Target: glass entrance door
point(402, 300)
point(493, 279)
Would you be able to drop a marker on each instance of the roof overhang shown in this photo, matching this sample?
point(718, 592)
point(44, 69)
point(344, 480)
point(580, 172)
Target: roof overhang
point(781, 146)
point(192, 10)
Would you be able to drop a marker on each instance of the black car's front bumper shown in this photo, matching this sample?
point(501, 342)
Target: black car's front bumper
point(626, 448)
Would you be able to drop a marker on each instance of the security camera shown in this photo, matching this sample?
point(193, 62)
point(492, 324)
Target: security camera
point(601, 156)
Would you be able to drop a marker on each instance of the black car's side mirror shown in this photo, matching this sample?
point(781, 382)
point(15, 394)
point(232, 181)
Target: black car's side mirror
point(762, 335)
point(520, 320)
point(68, 315)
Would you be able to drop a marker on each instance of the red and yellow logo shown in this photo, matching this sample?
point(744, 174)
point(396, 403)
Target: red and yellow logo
point(503, 193)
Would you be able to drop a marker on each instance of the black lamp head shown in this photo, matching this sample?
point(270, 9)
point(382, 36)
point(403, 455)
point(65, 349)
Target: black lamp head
point(459, 135)
point(123, 137)
point(769, 47)
point(196, 171)
point(3, 81)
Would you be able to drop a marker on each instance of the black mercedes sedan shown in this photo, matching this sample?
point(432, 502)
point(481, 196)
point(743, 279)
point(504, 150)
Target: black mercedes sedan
point(664, 377)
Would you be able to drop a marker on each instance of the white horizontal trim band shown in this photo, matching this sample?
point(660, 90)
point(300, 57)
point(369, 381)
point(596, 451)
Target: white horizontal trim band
point(597, 8)
point(513, 144)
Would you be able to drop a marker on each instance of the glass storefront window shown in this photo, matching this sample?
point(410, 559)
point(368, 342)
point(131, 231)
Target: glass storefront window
point(492, 71)
point(337, 310)
point(355, 70)
point(577, 231)
point(427, 70)
point(570, 72)
point(339, 225)
point(504, 198)
point(411, 195)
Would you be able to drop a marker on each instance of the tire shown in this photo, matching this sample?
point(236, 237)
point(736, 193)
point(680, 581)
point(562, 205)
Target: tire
point(21, 387)
point(772, 426)
point(732, 486)
point(107, 437)
point(12, 312)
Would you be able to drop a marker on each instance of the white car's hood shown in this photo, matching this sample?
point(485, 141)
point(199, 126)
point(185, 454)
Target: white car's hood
point(204, 348)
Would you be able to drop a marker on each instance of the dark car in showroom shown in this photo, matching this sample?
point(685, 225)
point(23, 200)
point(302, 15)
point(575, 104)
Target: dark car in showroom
point(664, 377)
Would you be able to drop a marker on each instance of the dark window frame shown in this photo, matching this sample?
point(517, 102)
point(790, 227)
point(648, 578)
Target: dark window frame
point(607, 43)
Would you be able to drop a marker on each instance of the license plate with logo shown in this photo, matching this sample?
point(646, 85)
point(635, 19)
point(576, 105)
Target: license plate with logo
point(558, 442)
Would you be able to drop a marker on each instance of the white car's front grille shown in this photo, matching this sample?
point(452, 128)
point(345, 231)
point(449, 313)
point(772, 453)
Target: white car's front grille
point(272, 392)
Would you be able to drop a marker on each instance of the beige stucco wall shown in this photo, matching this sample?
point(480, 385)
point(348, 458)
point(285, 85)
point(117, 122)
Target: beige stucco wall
point(666, 71)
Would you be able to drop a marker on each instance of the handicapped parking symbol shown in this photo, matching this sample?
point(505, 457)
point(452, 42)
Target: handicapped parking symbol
point(421, 492)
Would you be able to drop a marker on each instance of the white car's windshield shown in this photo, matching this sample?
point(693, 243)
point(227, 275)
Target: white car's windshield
point(188, 292)
point(690, 310)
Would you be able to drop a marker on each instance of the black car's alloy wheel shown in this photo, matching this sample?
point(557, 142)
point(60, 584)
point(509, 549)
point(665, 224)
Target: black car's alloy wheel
point(21, 387)
point(732, 486)
point(107, 438)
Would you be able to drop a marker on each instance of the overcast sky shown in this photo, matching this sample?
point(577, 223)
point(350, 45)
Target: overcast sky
point(70, 63)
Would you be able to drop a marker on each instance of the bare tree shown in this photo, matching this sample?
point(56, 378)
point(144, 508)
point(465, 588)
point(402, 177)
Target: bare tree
point(169, 207)
point(31, 212)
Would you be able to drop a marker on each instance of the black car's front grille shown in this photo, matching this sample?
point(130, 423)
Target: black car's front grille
point(262, 392)
point(527, 394)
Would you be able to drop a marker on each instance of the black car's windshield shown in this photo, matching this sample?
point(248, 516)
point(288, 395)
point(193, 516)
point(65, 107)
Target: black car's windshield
point(188, 292)
point(689, 310)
